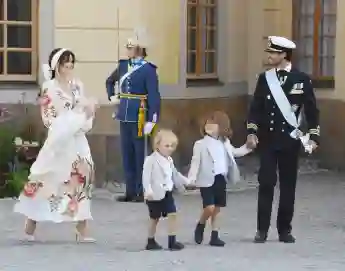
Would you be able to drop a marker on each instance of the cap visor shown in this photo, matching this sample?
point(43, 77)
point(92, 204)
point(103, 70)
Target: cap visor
point(270, 50)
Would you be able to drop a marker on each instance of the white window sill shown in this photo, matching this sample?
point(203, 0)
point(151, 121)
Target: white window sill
point(18, 93)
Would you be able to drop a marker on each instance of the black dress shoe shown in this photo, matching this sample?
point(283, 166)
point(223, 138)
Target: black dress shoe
point(199, 233)
point(260, 237)
point(125, 198)
point(215, 241)
point(152, 245)
point(287, 238)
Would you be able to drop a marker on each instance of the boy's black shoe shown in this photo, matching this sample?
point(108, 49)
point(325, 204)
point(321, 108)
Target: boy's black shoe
point(199, 233)
point(215, 241)
point(260, 237)
point(176, 246)
point(152, 245)
point(287, 238)
point(173, 245)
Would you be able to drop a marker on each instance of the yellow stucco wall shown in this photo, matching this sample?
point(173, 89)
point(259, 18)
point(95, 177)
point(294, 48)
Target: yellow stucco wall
point(236, 40)
point(265, 18)
point(93, 35)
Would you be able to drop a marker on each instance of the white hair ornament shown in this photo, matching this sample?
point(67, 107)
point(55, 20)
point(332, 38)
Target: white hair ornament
point(48, 69)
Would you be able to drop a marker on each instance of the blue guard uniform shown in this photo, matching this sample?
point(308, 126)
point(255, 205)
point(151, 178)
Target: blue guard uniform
point(139, 104)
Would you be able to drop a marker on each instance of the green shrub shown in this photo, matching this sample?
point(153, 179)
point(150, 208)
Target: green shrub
point(15, 183)
point(7, 148)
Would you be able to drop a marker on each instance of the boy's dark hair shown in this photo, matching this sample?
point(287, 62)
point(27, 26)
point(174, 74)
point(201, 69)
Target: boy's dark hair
point(220, 118)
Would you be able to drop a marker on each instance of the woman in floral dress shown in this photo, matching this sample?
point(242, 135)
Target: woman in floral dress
point(60, 181)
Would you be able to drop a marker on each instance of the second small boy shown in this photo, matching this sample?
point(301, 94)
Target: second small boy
point(212, 166)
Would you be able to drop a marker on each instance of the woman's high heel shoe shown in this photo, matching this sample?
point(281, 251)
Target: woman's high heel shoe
point(79, 238)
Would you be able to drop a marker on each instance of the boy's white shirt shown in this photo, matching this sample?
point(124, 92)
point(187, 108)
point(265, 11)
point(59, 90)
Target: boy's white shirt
point(158, 178)
point(202, 165)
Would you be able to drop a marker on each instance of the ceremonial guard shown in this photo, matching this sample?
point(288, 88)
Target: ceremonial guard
point(137, 110)
point(281, 95)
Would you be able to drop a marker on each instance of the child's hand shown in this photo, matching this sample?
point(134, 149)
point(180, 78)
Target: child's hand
point(148, 196)
point(252, 142)
point(191, 185)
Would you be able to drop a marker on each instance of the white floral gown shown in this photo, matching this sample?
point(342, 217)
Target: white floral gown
point(60, 181)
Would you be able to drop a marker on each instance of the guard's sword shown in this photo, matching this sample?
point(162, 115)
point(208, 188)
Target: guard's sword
point(117, 89)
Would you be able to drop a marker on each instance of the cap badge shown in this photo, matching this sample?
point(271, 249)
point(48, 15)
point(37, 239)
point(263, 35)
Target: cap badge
point(269, 44)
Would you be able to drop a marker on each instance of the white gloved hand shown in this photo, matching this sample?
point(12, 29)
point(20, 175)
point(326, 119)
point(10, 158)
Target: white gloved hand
point(114, 99)
point(308, 147)
point(148, 127)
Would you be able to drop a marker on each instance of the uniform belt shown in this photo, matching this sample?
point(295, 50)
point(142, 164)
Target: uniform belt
point(142, 109)
point(132, 96)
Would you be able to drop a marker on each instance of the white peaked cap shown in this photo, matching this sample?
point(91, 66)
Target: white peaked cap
point(140, 38)
point(279, 44)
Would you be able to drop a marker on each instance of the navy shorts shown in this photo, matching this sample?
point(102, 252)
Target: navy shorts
point(163, 207)
point(215, 194)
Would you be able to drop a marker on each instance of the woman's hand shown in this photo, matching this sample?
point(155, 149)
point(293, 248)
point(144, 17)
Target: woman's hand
point(90, 107)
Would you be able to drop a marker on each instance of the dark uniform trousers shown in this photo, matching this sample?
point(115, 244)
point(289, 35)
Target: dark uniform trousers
point(133, 155)
point(286, 161)
point(278, 150)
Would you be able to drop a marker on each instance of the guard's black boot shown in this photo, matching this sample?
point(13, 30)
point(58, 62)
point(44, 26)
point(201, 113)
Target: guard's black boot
point(139, 198)
point(125, 198)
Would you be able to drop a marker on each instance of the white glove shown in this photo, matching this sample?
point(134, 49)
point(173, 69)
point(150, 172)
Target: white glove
point(148, 127)
point(114, 99)
point(306, 143)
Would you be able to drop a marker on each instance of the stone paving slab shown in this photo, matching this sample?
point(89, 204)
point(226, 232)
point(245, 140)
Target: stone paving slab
point(120, 229)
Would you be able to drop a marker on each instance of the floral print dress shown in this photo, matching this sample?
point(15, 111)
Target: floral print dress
point(60, 181)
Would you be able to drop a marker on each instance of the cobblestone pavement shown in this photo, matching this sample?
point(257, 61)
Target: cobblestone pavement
point(121, 231)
